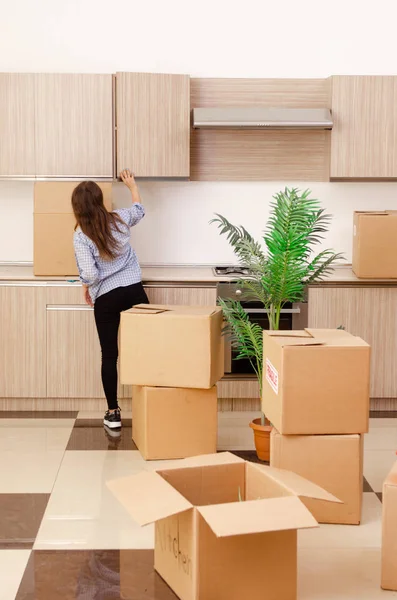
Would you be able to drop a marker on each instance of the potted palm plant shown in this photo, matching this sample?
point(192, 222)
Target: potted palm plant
point(279, 269)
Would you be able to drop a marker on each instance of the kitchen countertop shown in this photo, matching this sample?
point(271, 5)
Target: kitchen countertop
point(342, 275)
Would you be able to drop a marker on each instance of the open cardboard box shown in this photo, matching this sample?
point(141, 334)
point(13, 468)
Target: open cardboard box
point(209, 545)
point(171, 346)
point(389, 531)
point(375, 244)
point(316, 381)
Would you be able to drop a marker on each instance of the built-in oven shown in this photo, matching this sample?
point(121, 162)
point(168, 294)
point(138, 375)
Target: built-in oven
point(293, 316)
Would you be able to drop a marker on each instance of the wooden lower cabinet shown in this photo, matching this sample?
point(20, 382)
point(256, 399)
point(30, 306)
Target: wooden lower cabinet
point(49, 343)
point(22, 341)
point(73, 353)
point(182, 295)
point(368, 312)
point(73, 349)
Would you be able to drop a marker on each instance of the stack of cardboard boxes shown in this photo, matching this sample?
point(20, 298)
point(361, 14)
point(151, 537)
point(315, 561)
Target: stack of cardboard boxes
point(316, 395)
point(173, 356)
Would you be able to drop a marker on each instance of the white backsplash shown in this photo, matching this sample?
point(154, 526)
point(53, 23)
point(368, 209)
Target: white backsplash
point(176, 228)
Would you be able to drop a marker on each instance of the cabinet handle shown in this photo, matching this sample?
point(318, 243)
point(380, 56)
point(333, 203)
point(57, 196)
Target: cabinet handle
point(262, 311)
point(69, 307)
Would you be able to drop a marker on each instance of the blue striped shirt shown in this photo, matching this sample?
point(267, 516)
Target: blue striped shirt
point(101, 275)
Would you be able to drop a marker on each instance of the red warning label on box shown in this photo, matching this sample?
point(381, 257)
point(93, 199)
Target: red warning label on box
point(272, 376)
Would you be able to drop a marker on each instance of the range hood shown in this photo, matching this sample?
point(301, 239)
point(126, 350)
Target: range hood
point(257, 117)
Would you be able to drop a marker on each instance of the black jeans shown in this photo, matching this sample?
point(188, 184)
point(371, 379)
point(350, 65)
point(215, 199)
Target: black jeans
point(107, 311)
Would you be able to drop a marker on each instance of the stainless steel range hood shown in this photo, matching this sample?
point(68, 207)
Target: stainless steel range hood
point(256, 117)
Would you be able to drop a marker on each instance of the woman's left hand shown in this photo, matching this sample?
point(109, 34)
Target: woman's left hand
point(87, 297)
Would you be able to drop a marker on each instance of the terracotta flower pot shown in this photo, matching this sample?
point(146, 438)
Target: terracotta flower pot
point(262, 438)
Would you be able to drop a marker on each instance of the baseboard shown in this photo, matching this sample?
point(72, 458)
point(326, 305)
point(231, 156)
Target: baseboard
point(99, 404)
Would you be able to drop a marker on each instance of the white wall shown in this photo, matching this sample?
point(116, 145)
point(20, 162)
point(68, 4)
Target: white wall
point(257, 38)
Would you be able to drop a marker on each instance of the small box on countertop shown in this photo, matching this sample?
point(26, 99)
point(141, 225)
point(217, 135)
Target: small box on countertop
point(316, 381)
point(334, 462)
point(225, 528)
point(54, 225)
point(170, 423)
point(389, 531)
point(172, 346)
point(375, 244)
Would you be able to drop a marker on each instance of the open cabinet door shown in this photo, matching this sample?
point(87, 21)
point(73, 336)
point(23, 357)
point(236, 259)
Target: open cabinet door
point(153, 124)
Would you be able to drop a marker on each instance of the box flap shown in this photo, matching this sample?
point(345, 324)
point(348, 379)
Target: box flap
point(142, 309)
point(297, 485)
point(293, 338)
point(391, 479)
point(147, 497)
point(195, 311)
point(206, 460)
point(257, 516)
point(338, 337)
point(371, 213)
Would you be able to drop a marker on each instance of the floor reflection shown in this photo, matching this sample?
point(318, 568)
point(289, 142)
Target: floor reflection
point(92, 575)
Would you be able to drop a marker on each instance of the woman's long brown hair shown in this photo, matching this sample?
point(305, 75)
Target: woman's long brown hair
point(94, 220)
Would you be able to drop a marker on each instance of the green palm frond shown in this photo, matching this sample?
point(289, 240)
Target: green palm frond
point(280, 270)
point(241, 241)
point(246, 337)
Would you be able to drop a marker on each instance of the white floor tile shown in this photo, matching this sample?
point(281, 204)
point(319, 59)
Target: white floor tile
point(35, 435)
point(234, 432)
point(330, 574)
point(381, 438)
point(382, 423)
point(83, 514)
point(31, 451)
point(377, 464)
point(28, 473)
point(366, 535)
point(12, 567)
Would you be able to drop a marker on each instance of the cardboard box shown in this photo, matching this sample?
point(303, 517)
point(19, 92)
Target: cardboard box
point(389, 531)
point(174, 422)
point(316, 381)
point(334, 462)
point(172, 346)
point(208, 544)
point(54, 225)
point(375, 244)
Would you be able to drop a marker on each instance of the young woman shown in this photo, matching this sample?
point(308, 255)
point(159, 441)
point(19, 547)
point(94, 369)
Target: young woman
point(109, 271)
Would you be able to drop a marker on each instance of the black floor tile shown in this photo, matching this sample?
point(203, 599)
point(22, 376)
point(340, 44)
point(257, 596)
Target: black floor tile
point(20, 519)
point(366, 486)
point(86, 574)
point(97, 437)
point(249, 455)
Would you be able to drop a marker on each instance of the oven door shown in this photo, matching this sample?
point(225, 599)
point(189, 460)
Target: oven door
point(292, 317)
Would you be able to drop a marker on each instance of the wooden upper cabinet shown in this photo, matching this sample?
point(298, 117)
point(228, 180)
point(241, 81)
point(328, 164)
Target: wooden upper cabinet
point(17, 146)
point(153, 124)
point(364, 137)
point(74, 125)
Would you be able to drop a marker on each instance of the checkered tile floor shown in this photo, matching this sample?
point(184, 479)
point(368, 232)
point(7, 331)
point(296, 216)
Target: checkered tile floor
point(63, 536)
